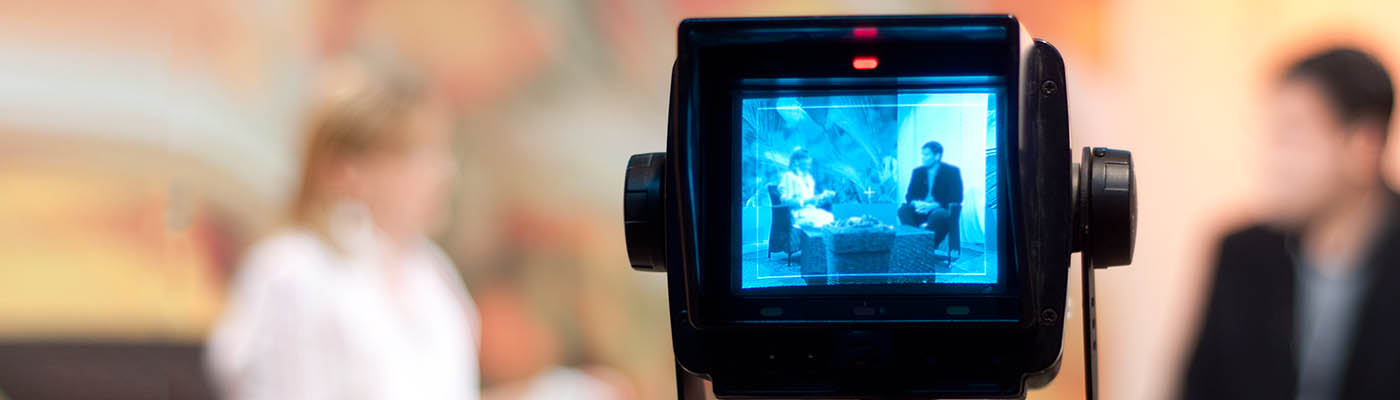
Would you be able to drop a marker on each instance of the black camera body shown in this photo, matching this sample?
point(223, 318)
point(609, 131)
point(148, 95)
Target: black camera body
point(857, 317)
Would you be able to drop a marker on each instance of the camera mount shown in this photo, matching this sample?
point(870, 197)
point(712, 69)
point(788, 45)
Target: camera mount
point(1105, 218)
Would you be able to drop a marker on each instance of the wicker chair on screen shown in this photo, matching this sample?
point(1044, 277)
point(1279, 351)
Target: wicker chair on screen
point(780, 231)
point(955, 233)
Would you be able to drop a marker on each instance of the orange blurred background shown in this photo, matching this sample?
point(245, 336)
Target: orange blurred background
point(145, 144)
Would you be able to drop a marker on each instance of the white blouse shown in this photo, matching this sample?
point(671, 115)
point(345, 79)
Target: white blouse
point(305, 321)
point(797, 188)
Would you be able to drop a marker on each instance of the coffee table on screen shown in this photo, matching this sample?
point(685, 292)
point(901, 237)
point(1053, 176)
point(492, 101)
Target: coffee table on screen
point(912, 253)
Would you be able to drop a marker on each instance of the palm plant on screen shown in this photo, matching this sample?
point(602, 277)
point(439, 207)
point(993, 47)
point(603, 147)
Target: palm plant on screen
point(851, 140)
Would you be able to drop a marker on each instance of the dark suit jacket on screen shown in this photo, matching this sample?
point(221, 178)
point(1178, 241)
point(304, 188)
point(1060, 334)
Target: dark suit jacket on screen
point(947, 188)
point(1246, 347)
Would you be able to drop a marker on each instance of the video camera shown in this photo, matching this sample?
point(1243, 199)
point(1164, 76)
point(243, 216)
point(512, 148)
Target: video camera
point(880, 206)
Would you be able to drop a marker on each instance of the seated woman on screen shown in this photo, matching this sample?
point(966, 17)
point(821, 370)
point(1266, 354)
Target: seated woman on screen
point(798, 190)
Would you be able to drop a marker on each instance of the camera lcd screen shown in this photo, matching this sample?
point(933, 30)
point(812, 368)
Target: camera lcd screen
point(870, 188)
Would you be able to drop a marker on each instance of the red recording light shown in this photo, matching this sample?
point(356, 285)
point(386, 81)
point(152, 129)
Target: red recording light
point(865, 62)
point(865, 32)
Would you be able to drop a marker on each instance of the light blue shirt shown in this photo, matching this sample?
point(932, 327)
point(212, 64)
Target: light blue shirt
point(1328, 301)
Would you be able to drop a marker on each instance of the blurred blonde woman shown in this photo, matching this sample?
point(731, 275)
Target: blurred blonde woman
point(351, 300)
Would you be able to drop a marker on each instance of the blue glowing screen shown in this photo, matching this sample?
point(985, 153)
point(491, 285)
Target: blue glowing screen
point(869, 188)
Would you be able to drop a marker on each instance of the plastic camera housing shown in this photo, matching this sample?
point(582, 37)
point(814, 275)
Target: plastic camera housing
point(681, 215)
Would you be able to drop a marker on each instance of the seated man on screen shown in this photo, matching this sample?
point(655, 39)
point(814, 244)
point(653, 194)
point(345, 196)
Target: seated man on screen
point(799, 190)
point(934, 189)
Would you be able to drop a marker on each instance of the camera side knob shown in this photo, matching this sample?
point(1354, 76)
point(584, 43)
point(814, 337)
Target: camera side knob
point(1106, 201)
point(642, 212)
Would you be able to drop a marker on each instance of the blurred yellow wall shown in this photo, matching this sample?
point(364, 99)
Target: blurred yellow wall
point(142, 145)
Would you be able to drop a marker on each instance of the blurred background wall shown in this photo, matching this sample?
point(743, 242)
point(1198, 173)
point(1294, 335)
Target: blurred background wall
point(144, 144)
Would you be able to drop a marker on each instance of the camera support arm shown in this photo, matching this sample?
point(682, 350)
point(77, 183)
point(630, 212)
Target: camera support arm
point(1091, 346)
point(1105, 224)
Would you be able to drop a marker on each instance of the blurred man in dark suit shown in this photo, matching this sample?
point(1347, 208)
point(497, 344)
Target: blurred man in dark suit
point(934, 189)
point(1305, 305)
